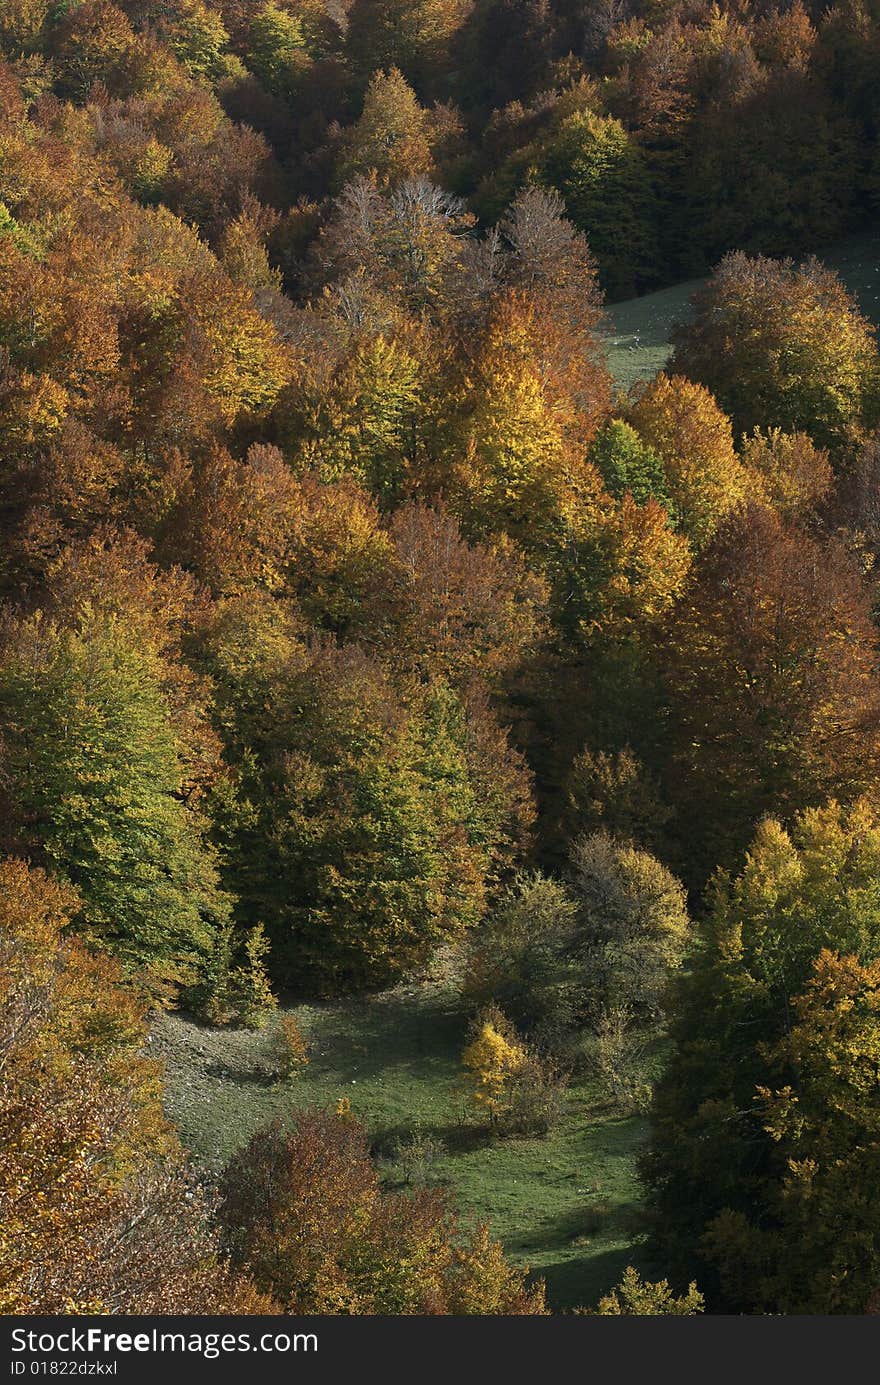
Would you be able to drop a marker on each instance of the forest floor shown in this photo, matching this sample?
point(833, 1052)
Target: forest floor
point(566, 1204)
point(638, 340)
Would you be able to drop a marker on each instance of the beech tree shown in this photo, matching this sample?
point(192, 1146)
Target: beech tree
point(635, 930)
point(683, 425)
point(408, 242)
point(412, 35)
point(93, 780)
point(99, 1212)
point(770, 669)
point(763, 1125)
point(231, 522)
point(392, 138)
point(781, 346)
point(602, 174)
point(364, 421)
point(369, 825)
point(463, 610)
point(794, 473)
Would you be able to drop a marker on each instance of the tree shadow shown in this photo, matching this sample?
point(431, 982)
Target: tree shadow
point(394, 1034)
point(583, 1273)
point(254, 1075)
point(580, 1281)
point(454, 1137)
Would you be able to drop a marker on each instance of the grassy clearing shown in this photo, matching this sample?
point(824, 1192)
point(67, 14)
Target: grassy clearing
point(638, 342)
point(566, 1204)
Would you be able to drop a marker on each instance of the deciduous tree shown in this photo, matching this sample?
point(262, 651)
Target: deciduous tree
point(770, 668)
point(781, 346)
point(304, 1211)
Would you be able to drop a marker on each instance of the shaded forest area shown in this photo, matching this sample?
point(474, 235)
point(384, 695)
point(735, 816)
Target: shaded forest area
point(358, 629)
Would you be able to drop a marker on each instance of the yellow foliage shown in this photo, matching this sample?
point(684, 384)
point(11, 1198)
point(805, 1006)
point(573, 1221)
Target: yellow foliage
point(491, 1059)
point(392, 136)
point(294, 1046)
point(684, 425)
point(32, 410)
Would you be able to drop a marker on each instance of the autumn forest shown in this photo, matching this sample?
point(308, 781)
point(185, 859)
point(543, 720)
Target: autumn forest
point(369, 647)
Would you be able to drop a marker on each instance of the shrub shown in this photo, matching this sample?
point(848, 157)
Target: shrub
point(416, 1156)
point(491, 1059)
point(520, 1090)
point(288, 1049)
point(553, 957)
point(616, 1050)
point(233, 993)
point(523, 957)
point(536, 1096)
point(635, 924)
point(250, 993)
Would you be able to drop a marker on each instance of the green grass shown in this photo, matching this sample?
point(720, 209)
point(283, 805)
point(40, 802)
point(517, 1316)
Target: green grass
point(638, 342)
point(565, 1204)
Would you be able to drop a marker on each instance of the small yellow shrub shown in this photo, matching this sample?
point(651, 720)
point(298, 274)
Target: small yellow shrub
point(491, 1059)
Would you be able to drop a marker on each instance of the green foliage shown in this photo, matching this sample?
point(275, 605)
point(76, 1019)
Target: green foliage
point(637, 1297)
point(635, 923)
point(615, 1054)
point(311, 462)
point(615, 793)
point(25, 239)
point(277, 50)
point(236, 987)
point(556, 957)
point(778, 168)
point(415, 36)
point(196, 35)
point(627, 464)
point(302, 1206)
point(524, 957)
point(363, 425)
point(416, 1156)
point(362, 841)
point(744, 1166)
point(808, 1242)
point(603, 176)
point(95, 780)
point(782, 346)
